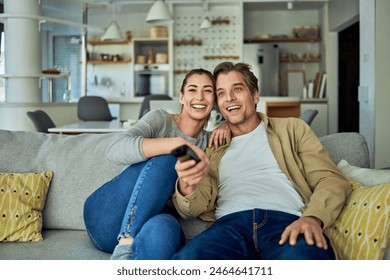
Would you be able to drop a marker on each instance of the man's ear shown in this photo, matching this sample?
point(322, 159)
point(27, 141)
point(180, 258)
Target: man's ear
point(256, 97)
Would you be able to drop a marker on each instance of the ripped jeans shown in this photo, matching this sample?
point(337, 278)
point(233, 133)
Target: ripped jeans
point(126, 203)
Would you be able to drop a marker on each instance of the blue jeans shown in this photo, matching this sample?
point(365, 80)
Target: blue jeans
point(159, 239)
point(250, 235)
point(127, 203)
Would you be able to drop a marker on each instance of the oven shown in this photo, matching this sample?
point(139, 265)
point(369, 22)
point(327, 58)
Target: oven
point(151, 79)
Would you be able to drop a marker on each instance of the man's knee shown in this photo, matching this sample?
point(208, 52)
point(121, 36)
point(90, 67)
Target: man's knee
point(162, 227)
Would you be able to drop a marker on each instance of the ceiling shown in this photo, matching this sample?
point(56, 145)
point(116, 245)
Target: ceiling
point(256, 4)
point(67, 8)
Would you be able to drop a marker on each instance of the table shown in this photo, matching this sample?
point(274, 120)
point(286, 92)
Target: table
point(90, 127)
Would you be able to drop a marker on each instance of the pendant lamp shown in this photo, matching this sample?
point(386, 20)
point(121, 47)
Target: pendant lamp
point(113, 32)
point(206, 23)
point(159, 13)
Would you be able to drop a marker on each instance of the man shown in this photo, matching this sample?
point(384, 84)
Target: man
point(271, 190)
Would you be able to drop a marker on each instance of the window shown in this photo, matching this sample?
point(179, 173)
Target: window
point(67, 57)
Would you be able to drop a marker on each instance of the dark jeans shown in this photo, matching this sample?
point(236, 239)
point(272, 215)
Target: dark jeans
point(250, 235)
point(127, 203)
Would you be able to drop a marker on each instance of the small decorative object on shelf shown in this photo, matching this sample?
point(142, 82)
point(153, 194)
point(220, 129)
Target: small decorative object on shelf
point(129, 36)
point(51, 71)
point(312, 31)
point(161, 58)
point(191, 42)
point(220, 21)
point(158, 32)
point(150, 56)
point(141, 59)
point(299, 58)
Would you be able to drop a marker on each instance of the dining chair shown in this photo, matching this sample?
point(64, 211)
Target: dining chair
point(41, 120)
point(145, 106)
point(309, 115)
point(93, 108)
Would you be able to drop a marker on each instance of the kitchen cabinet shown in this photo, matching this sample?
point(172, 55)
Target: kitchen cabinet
point(113, 67)
point(99, 52)
point(151, 50)
point(289, 58)
point(280, 107)
point(297, 34)
point(295, 54)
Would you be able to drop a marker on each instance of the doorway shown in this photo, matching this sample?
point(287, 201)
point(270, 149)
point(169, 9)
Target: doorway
point(349, 79)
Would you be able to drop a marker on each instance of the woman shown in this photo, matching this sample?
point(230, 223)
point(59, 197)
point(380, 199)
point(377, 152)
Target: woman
point(149, 180)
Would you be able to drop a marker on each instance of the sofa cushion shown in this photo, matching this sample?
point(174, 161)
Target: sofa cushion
point(78, 161)
point(362, 230)
point(57, 245)
point(22, 197)
point(365, 176)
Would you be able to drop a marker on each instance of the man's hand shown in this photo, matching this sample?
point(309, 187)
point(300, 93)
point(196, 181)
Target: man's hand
point(310, 227)
point(190, 173)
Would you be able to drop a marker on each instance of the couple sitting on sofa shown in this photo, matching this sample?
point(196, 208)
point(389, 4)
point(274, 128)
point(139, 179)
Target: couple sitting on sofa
point(272, 187)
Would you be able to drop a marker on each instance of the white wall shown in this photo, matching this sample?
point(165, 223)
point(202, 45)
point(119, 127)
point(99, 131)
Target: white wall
point(342, 13)
point(367, 75)
point(13, 115)
point(382, 84)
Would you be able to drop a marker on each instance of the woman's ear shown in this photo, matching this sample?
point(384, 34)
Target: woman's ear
point(181, 96)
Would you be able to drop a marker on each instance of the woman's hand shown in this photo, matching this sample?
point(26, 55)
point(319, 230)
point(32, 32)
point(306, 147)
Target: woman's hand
point(217, 137)
point(190, 173)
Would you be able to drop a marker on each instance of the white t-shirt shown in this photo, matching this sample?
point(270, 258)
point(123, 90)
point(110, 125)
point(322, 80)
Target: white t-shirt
point(250, 177)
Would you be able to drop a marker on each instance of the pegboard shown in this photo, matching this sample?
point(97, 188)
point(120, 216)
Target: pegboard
point(204, 48)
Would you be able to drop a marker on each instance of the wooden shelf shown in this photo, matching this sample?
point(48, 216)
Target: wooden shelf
point(300, 60)
point(100, 62)
point(188, 43)
point(160, 39)
point(126, 42)
point(102, 43)
point(282, 40)
point(207, 57)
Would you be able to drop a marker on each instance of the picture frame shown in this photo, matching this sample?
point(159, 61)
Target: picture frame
point(296, 81)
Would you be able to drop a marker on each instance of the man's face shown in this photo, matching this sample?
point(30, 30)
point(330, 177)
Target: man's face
point(235, 101)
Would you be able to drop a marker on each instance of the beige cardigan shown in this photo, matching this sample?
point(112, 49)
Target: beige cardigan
point(300, 156)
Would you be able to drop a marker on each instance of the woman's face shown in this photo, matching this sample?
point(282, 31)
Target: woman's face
point(198, 97)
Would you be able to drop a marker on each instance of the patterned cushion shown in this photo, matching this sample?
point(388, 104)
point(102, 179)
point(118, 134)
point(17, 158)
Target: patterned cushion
point(362, 231)
point(22, 198)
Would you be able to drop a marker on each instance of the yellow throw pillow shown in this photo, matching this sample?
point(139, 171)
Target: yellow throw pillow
point(22, 198)
point(362, 230)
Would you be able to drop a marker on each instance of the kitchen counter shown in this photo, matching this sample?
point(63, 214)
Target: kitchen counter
point(280, 98)
point(280, 106)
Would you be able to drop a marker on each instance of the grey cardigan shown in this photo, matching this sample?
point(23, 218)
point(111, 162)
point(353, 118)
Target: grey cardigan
point(127, 147)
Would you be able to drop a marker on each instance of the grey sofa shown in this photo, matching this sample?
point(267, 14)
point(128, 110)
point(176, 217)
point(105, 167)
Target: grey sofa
point(80, 166)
